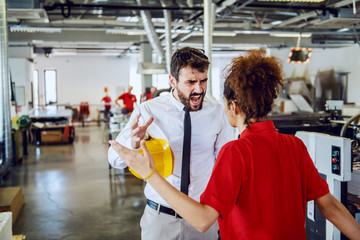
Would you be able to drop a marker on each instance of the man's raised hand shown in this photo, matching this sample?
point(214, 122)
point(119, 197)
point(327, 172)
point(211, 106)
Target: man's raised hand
point(138, 133)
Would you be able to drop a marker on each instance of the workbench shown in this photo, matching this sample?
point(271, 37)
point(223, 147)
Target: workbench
point(51, 126)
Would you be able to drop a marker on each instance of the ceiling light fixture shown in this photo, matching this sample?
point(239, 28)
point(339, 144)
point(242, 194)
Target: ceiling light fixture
point(217, 33)
point(35, 29)
point(251, 32)
point(126, 31)
point(290, 34)
point(224, 34)
point(274, 23)
point(127, 19)
point(246, 48)
point(343, 30)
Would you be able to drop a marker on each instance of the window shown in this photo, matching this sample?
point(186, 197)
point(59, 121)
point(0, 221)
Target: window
point(50, 87)
point(36, 88)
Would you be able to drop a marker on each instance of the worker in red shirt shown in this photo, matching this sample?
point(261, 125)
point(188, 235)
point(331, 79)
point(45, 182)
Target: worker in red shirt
point(148, 94)
point(107, 103)
point(128, 100)
point(262, 181)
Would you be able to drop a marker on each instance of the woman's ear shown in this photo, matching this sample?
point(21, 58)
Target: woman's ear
point(234, 108)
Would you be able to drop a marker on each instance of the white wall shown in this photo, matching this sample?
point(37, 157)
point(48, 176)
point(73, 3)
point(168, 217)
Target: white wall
point(22, 73)
point(83, 78)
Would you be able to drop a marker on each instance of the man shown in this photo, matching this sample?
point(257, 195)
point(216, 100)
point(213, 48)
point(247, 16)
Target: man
point(261, 182)
point(163, 118)
point(128, 100)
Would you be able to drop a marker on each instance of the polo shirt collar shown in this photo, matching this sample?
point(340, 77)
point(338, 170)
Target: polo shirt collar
point(259, 128)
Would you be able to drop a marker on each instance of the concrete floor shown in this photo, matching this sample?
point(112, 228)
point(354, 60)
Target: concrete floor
point(71, 194)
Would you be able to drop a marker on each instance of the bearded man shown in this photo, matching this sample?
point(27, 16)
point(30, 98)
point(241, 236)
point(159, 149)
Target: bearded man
point(163, 118)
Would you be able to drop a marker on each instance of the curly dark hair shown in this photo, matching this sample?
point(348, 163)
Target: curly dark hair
point(188, 56)
point(253, 83)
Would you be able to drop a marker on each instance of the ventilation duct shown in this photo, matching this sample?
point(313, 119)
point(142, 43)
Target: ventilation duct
point(23, 4)
point(150, 31)
point(345, 17)
point(26, 9)
point(149, 68)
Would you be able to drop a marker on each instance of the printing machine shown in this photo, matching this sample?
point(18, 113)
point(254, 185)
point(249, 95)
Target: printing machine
point(333, 144)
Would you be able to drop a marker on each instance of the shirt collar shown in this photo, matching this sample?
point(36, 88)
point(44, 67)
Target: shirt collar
point(174, 101)
point(259, 128)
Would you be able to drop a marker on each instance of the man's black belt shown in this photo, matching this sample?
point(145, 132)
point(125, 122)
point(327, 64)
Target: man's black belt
point(163, 209)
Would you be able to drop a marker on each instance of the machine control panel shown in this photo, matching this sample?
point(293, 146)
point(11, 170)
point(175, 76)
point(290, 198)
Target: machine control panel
point(335, 160)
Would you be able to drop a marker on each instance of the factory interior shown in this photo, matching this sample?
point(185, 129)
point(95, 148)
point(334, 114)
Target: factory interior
point(61, 58)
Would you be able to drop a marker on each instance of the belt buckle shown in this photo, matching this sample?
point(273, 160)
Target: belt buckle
point(158, 208)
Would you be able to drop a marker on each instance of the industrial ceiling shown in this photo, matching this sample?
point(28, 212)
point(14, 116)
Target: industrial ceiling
point(118, 26)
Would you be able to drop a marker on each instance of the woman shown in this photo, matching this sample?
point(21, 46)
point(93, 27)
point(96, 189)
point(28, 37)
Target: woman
point(261, 182)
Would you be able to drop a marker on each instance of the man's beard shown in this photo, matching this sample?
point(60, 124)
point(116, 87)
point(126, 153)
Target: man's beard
point(186, 100)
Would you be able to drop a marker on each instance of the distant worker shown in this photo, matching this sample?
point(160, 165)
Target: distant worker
point(148, 94)
point(152, 90)
point(128, 100)
point(107, 104)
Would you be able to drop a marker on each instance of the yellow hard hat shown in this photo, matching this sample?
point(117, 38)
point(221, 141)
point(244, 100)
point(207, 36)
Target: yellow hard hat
point(161, 153)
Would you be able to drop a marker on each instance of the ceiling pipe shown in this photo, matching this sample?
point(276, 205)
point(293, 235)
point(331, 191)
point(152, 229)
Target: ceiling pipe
point(356, 35)
point(209, 18)
point(168, 39)
point(151, 34)
point(234, 7)
point(297, 18)
point(331, 8)
point(118, 6)
point(224, 5)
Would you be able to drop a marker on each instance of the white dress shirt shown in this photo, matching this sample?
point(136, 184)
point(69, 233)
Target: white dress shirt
point(210, 130)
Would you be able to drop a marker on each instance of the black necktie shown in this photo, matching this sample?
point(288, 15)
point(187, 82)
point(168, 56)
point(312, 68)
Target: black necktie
point(185, 168)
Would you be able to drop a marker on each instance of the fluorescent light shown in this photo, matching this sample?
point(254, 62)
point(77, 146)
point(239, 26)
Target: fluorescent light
point(274, 23)
point(141, 32)
point(217, 33)
point(127, 19)
point(224, 34)
point(246, 48)
point(250, 32)
point(126, 31)
point(179, 31)
point(343, 30)
point(35, 29)
point(289, 34)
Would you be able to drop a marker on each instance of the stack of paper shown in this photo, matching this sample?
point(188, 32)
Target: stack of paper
point(354, 184)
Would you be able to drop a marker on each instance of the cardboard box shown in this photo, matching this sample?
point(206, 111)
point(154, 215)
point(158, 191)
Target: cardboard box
point(11, 200)
point(51, 137)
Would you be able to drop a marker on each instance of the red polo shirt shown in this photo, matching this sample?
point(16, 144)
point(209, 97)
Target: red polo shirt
point(260, 185)
point(107, 101)
point(128, 100)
